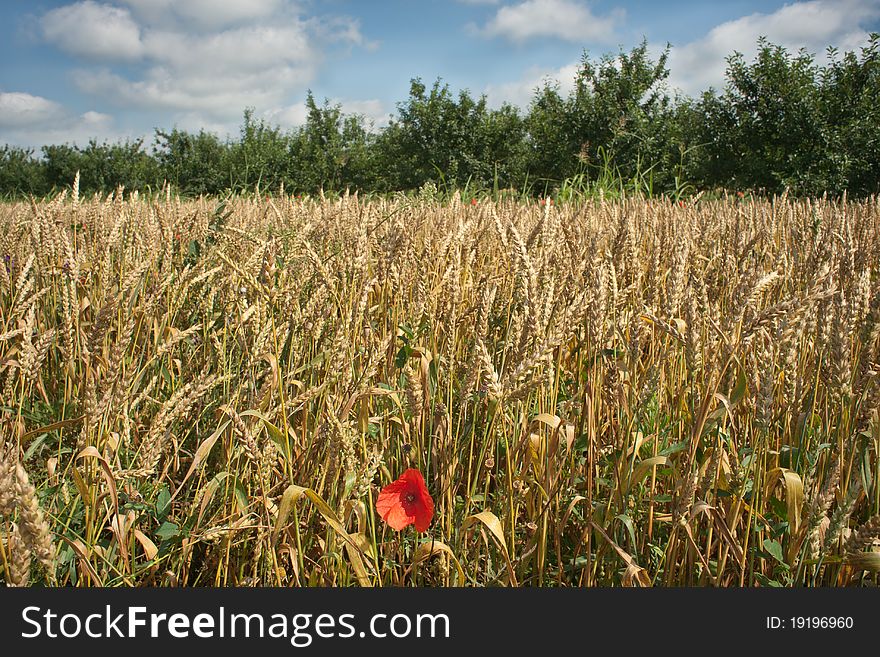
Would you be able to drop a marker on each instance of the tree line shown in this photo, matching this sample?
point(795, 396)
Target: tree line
point(783, 121)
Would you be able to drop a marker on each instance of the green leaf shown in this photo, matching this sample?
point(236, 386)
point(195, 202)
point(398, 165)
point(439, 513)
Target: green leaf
point(774, 549)
point(163, 502)
point(167, 531)
point(350, 480)
point(35, 445)
point(241, 498)
point(628, 523)
point(401, 358)
point(675, 447)
point(740, 390)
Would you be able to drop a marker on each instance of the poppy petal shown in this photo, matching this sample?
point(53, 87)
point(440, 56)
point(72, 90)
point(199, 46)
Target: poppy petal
point(423, 519)
point(398, 518)
point(412, 476)
point(389, 497)
point(406, 501)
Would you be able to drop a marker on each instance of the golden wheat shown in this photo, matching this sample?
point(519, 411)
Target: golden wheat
point(630, 392)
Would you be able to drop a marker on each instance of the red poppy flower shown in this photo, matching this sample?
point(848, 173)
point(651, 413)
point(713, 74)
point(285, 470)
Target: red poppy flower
point(406, 502)
point(473, 201)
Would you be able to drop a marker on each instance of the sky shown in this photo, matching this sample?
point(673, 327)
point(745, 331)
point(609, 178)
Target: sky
point(120, 69)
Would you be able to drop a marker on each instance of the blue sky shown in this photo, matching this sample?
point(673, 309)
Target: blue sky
point(116, 69)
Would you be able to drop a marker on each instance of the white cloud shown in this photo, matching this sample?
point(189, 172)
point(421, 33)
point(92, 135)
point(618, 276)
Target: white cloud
point(373, 111)
point(813, 25)
point(203, 14)
point(520, 92)
point(289, 116)
point(219, 99)
point(77, 129)
point(200, 59)
point(33, 121)
point(92, 30)
point(96, 118)
point(242, 50)
point(339, 29)
point(561, 19)
point(292, 116)
point(196, 121)
point(18, 109)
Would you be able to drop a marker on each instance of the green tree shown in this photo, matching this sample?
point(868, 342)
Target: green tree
point(21, 174)
point(103, 167)
point(620, 105)
point(767, 130)
point(551, 140)
point(60, 165)
point(194, 163)
point(331, 150)
point(260, 158)
point(781, 122)
point(449, 140)
point(500, 159)
point(618, 117)
point(849, 89)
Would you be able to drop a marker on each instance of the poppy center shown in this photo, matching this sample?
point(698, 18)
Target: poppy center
point(409, 498)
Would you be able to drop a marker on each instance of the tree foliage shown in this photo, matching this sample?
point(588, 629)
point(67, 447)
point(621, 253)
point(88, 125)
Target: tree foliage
point(781, 122)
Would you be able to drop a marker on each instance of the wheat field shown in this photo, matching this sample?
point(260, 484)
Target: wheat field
point(604, 393)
